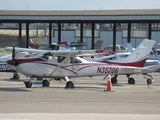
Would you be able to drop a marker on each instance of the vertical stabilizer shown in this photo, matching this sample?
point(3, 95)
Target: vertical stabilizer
point(98, 44)
point(138, 56)
point(129, 47)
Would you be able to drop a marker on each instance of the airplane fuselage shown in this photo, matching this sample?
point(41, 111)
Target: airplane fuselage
point(42, 68)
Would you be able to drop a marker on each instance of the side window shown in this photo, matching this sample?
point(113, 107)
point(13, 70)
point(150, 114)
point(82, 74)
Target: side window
point(123, 48)
point(117, 48)
point(151, 53)
point(157, 52)
point(74, 60)
point(60, 59)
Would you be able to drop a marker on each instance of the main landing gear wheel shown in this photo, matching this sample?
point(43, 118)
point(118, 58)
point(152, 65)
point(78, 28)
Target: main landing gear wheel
point(131, 81)
point(45, 83)
point(69, 84)
point(16, 76)
point(114, 80)
point(149, 81)
point(28, 84)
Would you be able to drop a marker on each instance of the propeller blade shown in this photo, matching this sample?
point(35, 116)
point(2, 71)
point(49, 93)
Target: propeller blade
point(13, 52)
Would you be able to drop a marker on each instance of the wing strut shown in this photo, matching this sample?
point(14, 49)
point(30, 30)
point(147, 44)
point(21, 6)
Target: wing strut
point(60, 64)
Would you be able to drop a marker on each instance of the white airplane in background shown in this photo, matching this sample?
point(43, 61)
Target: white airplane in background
point(67, 64)
point(150, 64)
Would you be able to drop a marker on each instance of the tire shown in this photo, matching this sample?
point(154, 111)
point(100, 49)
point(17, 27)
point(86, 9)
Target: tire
point(149, 81)
point(69, 84)
point(28, 84)
point(45, 83)
point(114, 80)
point(16, 76)
point(131, 81)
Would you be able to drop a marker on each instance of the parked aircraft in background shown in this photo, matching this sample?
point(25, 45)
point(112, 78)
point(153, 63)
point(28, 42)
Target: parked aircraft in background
point(98, 44)
point(67, 64)
point(32, 44)
point(119, 48)
point(154, 54)
point(73, 45)
point(150, 64)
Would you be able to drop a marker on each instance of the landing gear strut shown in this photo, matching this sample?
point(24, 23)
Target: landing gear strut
point(69, 83)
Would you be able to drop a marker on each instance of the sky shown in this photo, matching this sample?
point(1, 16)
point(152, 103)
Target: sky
point(78, 4)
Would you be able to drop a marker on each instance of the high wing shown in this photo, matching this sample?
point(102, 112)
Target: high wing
point(64, 52)
point(82, 52)
point(18, 49)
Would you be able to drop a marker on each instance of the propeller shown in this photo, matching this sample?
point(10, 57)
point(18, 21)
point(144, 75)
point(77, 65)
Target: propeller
point(13, 61)
point(13, 52)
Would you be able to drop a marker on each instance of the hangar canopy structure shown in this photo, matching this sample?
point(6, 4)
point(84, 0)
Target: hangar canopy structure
point(148, 16)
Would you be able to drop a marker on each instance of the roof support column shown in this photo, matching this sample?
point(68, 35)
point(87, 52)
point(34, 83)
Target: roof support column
point(20, 29)
point(81, 33)
point(129, 33)
point(114, 36)
point(93, 24)
point(27, 34)
point(149, 30)
point(59, 32)
point(50, 33)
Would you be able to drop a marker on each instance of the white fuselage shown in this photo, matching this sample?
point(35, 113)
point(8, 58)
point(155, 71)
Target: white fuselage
point(49, 69)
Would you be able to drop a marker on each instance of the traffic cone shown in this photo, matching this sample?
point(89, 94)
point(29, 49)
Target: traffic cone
point(109, 83)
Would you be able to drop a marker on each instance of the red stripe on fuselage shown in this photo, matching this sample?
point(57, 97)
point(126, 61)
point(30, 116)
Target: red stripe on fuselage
point(135, 64)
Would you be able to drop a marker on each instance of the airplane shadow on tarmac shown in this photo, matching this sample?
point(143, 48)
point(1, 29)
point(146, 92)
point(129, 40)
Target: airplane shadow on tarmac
point(14, 90)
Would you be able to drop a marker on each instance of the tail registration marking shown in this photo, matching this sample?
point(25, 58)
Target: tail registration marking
point(107, 70)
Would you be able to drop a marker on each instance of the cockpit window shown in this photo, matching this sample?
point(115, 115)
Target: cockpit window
point(60, 59)
point(75, 60)
point(151, 53)
point(54, 47)
point(122, 48)
point(47, 56)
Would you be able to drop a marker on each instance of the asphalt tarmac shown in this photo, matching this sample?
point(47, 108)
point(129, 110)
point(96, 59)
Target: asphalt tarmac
point(87, 101)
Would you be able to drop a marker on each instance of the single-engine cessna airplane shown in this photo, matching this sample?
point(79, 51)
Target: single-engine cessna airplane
point(68, 64)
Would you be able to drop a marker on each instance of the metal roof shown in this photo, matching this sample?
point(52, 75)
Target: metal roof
point(96, 15)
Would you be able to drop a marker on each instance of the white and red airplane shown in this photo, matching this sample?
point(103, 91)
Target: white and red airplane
point(67, 64)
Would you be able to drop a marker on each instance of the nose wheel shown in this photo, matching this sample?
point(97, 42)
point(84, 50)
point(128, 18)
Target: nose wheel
point(15, 76)
point(28, 84)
